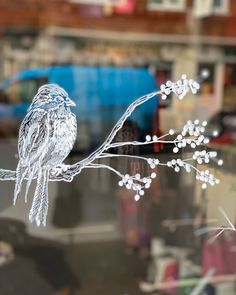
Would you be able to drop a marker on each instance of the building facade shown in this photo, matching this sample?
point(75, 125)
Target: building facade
point(170, 37)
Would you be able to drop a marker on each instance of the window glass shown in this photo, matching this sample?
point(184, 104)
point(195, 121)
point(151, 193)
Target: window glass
point(163, 73)
point(23, 91)
point(166, 4)
point(217, 3)
point(221, 7)
point(156, 1)
point(12, 93)
point(229, 87)
point(207, 85)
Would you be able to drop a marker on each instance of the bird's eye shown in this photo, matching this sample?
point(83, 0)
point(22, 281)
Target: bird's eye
point(59, 99)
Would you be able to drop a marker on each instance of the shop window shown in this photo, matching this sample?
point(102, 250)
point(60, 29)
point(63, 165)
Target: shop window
point(174, 5)
point(230, 52)
point(206, 8)
point(22, 91)
point(207, 85)
point(221, 6)
point(163, 73)
point(229, 87)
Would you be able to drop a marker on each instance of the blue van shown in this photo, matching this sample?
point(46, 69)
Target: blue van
point(101, 94)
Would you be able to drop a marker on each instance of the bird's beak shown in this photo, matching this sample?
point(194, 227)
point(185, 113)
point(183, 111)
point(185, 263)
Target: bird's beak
point(70, 103)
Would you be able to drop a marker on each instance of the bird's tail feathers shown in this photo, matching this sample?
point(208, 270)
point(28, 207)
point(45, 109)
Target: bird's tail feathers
point(21, 172)
point(30, 178)
point(39, 208)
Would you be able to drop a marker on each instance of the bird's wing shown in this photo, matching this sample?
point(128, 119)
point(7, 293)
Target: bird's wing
point(34, 136)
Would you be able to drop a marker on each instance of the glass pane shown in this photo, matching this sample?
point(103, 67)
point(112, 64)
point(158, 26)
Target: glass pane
point(217, 3)
point(156, 1)
point(28, 88)
point(207, 86)
point(230, 87)
point(24, 90)
point(13, 93)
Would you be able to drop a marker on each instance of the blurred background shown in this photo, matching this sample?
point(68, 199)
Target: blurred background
point(107, 53)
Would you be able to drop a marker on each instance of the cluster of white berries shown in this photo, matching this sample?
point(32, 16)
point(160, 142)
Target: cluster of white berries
point(136, 183)
point(193, 131)
point(207, 178)
point(180, 88)
point(153, 163)
point(204, 156)
point(204, 176)
point(192, 134)
point(176, 164)
point(150, 138)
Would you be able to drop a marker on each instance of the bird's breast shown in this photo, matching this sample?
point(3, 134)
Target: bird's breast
point(64, 129)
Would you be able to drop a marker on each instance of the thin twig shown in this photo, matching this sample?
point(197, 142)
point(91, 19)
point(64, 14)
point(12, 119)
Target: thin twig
point(221, 229)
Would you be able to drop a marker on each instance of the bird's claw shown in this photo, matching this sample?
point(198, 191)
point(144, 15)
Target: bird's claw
point(59, 169)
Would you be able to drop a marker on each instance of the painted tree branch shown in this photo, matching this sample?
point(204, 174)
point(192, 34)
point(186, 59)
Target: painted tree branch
point(191, 135)
point(7, 174)
point(76, 168)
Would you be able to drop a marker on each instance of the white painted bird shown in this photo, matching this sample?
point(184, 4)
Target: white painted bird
point(46, 137)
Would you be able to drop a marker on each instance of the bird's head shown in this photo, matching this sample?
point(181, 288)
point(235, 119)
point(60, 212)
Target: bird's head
point(51, 96)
